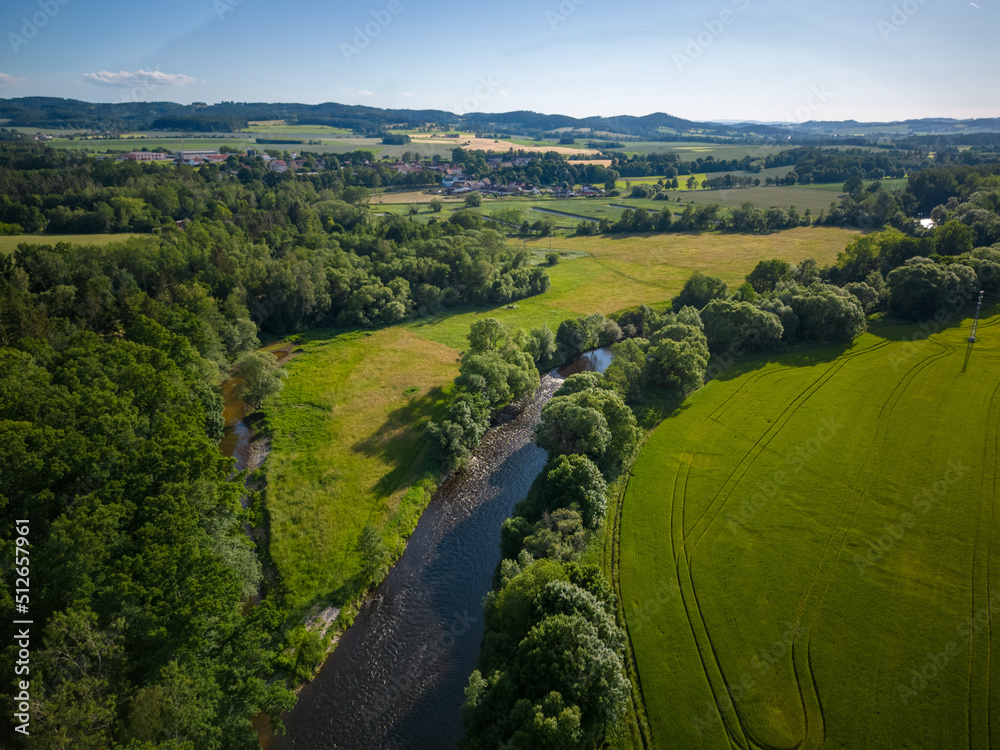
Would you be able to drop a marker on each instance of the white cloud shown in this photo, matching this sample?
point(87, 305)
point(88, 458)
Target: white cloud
point(138, 78)
point(407, 93)
point(8, 80)
point(362, 92)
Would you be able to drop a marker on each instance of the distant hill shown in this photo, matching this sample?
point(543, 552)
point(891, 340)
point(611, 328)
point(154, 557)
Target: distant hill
point(52, 112)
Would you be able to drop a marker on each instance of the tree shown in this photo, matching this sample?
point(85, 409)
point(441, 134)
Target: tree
point(830, 315)
point(436, 205)
point(923, 289)
point(699, 290)
point(627, 371)
point(575, 482)
point(854, 186)
point(488, 334)
point(766, 276)
point(569, 428)
point(954, 238)
point(593, 422)
point(565, 653)
point(866, 295)
point(259, 377)
point(679, 358)
point(807, 272)
point(731, 326)
point(465, 423)
point(356, 195)
point(541, 345)
point(474, 200)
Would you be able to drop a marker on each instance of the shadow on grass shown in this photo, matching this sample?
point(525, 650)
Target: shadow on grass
point(396, 450)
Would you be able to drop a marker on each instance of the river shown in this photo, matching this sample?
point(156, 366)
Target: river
point(396, 680)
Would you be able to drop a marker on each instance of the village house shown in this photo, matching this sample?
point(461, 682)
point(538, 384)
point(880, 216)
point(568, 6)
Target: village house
point(144, 156)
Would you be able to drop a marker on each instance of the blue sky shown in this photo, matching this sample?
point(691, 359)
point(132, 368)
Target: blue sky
point(722, 59)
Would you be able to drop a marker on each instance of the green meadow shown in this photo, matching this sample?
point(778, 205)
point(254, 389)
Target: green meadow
point(806, 550)
point(347, 447)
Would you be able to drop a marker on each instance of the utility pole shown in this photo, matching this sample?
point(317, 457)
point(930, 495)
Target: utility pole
point(975, 324)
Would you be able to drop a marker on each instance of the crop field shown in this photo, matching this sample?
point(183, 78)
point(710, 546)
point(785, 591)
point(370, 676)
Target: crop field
point(807, 550)
point(800, 196)
point(280, 127)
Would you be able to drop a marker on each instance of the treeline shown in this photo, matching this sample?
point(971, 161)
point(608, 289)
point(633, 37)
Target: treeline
point(672, 165)
point(810, 165)
point(703, 218)
point(549, 169)
point(819, 165)
point(140, 568)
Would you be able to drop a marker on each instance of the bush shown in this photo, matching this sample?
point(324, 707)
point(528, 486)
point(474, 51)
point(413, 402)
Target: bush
point(552, 258)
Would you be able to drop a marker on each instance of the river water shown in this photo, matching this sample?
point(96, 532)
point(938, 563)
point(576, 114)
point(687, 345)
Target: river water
point(396, 680)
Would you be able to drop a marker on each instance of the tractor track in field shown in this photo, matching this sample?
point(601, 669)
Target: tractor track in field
point(773, 432)
point(812, 602)
point(882, 426)
point(686, 460)
point(770, 434)
point(990, 495)
point(688, 456)
point(810, 390)
point(780, 422)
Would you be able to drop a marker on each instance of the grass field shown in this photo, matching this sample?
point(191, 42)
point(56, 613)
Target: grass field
point(807, 552)
point(347, 444)
point(690, 150)
point(9, 244)
point(617, 273)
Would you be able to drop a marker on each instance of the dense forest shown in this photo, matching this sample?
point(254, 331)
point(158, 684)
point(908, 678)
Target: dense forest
point(110, 412)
